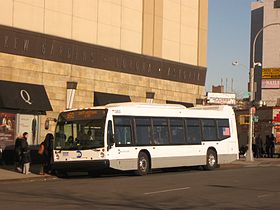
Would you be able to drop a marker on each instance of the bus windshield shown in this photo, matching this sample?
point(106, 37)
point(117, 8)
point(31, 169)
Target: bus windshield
point(79, 133)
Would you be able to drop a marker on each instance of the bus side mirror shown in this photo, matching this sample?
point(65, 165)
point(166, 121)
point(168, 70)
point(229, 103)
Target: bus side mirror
point(110, 136)
point(47, 124)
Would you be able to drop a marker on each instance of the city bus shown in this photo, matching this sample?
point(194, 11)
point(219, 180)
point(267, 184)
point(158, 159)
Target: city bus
point(142, 137)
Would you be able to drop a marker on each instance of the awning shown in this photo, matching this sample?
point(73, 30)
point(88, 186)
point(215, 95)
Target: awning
point(101, 99)
point(23, 98)
point(178, 102)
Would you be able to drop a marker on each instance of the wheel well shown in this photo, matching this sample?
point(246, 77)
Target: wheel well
point(213, 149)
point(148, 154)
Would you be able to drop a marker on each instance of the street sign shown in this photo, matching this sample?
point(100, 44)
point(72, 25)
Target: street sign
point(255, 118)
point(247, 95)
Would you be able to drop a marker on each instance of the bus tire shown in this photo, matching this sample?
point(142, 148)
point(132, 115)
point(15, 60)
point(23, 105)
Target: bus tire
point(61, 174)
point(143, 164)
point(211, 160)
point(94, 173)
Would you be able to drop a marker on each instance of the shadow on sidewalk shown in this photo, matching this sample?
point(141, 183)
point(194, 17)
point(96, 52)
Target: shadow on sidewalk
point(34, 168)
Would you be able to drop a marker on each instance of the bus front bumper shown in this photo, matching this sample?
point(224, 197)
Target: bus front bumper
point(89, 165)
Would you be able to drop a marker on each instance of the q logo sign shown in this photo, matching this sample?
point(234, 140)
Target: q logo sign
point(79, 154)
point(25, 97)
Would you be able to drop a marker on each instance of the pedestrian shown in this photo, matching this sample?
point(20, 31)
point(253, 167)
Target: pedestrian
point(18, 155)
point(267, 145)
point(45, 151)
point(258, 146)
point(271, 145)
point(26, 158)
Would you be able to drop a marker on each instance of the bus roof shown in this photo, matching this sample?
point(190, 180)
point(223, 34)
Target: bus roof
point(177, 107)
point(163, 110)
point(146, 105)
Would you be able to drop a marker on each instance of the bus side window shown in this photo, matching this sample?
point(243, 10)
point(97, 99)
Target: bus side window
point(123, 134)
point(223, 129)
point(160, 131)
point(143, 130)
point(209, 130)
point(177, 131)
point(193, 131)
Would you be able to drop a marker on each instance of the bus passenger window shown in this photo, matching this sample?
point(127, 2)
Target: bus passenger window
point(193, 131)
point(160, 131)
point(209, 130)
point(177, 131)
point(123, 130)
point(223, 129)
point(143, 131)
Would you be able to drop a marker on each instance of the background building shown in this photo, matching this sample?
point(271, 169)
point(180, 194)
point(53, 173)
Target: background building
point(267, 50)
point(267, 76)
point(116, 50)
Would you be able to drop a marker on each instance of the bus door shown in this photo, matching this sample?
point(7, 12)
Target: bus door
point(120, 146)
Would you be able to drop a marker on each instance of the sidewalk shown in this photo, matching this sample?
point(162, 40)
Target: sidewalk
point(8, 173)
point(257, 162)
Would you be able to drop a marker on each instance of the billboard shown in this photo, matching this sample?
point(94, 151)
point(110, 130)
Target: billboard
point(271, 73)
point(7, 129)
point(29, 124)
point(221, 98)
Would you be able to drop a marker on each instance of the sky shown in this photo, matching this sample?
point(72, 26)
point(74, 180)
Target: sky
point(229, 23)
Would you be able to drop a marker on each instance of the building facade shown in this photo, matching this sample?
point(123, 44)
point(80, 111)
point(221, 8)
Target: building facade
point(265, 18)
point(267, 48)
point(114, 49)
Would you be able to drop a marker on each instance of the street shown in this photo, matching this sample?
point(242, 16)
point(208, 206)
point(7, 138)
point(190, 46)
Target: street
point(224, 188)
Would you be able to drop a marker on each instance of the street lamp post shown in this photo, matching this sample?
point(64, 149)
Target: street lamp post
point(249, 155)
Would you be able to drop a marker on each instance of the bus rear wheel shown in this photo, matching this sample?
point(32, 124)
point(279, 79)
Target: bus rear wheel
point(143, 164)
point(211, 160)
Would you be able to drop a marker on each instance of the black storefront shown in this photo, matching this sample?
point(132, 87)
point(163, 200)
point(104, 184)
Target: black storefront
point(18, 98)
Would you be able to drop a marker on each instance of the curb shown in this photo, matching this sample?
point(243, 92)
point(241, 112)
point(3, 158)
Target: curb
point(25, 179)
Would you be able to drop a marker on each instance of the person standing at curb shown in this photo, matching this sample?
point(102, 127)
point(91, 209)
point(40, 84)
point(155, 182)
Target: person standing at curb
point(271, 145)
point(26, 158)
point(45, 151)
point(18, 156)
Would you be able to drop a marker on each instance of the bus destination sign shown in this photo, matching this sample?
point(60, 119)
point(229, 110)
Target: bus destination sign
point(83, 114)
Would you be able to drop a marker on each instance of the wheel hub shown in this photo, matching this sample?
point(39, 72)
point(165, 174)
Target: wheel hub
point(143, 164)
point(211, 160)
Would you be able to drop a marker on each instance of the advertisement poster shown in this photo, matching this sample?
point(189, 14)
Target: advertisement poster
point(29, 124)
point(7, 129)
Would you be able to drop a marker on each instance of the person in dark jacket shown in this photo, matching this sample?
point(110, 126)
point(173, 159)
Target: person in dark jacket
point(47, 154)
point(26, 158)
point(17, 153)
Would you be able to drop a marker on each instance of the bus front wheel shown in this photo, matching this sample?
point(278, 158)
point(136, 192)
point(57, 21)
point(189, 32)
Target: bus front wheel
point(211, 160)
point(143, 164)
point(61, 174)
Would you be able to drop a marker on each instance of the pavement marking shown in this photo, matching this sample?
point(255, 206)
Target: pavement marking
point(164, 191)
point(261, 196)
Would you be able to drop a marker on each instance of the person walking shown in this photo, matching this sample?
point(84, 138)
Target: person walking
point(271, 145)
point(267, 145)
point(45, 151)
point(26, 158)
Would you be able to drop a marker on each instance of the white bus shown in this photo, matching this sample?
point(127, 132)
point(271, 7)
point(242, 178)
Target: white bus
point(141, 137)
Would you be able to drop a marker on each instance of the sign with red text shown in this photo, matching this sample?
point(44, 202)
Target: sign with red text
point(271, 83)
